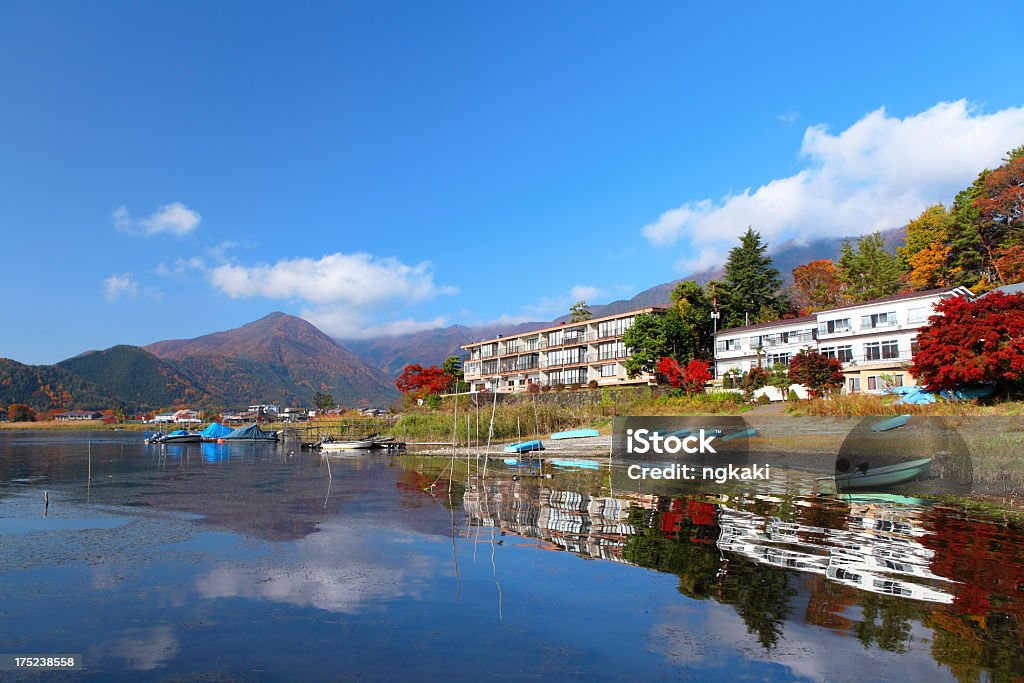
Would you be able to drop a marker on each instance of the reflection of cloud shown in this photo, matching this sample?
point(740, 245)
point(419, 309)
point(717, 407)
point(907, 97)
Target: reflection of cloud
point(335, 589)
point(699, 636)
point(142, 649)
point(338, 570)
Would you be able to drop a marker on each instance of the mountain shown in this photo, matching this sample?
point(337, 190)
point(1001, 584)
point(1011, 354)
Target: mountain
point(46, 387)
point(279, 358)
point(431, 347)
point(138, 378)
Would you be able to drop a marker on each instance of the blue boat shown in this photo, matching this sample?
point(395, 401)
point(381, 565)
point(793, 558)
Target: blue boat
point(742, 434)
point(524, 447)
point(891, 423)
point(575, 434)
point(581, 464)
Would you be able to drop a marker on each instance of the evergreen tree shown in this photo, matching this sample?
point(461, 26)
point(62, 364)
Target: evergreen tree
point(966, 251)
point(752, 283)
point(579, 312)
point(869, 270)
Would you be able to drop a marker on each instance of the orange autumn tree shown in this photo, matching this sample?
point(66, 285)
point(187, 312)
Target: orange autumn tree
point(817, 285)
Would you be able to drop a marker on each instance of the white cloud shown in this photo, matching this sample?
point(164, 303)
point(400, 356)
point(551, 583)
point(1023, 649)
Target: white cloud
point(551, 306)
point(121, 286)
point(879, 173)
point(174, 218)
point(359, 280)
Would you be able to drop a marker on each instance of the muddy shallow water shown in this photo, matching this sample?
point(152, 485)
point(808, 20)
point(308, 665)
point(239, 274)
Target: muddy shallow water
point(254, 562)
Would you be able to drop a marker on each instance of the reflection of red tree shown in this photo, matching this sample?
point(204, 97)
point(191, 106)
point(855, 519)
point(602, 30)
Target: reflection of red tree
point(698, 513)
point(987, 560)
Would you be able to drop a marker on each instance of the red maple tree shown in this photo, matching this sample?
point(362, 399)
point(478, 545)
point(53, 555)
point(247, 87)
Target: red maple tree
point(417, 381)
point(971, 342)
point(820, 374)
point(690, 379)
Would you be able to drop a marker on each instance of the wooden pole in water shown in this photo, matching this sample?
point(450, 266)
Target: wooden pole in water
point(90, 461)
point(46, 503)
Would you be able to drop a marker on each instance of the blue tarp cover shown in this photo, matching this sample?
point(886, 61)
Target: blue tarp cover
point(249, 433)
point(216, 431)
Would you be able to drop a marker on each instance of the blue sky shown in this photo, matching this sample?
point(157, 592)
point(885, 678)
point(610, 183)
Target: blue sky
point(171, 169)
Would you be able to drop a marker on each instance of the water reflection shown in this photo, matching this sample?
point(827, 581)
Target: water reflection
point(886, 573)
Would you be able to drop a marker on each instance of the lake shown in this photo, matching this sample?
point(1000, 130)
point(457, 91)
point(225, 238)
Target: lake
point(256, 562)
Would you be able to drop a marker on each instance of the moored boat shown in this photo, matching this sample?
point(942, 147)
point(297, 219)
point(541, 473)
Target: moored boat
point(575, 434)
point(524, 447)
point(328, 446)
point(890, 423)
point(878, 477)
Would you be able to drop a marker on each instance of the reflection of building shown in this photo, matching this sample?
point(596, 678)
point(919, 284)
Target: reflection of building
point(591, 526)
point(875, 340)
point(567, 354)
point(879, 551)
point(879, 554)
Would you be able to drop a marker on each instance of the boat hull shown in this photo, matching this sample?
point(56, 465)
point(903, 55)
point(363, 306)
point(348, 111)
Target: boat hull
point(346, 446)
point(881, 477)
point(524, 447)
point(575, 434)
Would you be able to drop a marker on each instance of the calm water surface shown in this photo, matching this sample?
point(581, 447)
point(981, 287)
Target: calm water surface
point(247, 562)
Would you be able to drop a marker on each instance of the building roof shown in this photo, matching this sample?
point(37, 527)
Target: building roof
point(552, 328)
point(899, 297)
point(774, 323)
point(860, 304)
point(1016, 288)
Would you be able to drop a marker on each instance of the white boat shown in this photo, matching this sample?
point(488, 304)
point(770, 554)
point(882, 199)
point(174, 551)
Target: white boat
point(329, 446)
point(890, 475)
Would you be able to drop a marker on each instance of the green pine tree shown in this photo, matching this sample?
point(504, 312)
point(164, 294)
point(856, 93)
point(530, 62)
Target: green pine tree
point(869, 270)
point(752, 283)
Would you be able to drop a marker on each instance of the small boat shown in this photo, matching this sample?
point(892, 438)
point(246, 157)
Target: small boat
point(891, 423)
point(575, 434)
point(876, 477)
point(581, 464)
point(524, 447)
point(178, 436)
point(329, 446)
point(742, 434)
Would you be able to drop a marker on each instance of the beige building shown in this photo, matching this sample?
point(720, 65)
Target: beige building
point(568, 354)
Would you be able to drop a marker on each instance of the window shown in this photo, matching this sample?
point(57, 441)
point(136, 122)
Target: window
point(777, 359)
point(854, 384)
point(843, 353)
point(533, 343)
point(608, 371)
point(614, 328)
point(772, 339)
point(575, 376)
point(801, 336)
point(872, 383)
point(729, 344)
point(917, 315)
point(556, 338)
point(834, 326)
point(878, 320)
point(897, 380)
point(886, 350)
point(611, 350)
point(755, 342)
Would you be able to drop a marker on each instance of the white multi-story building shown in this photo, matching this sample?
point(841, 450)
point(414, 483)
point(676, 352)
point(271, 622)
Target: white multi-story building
point(875, 340)
point(566, 354)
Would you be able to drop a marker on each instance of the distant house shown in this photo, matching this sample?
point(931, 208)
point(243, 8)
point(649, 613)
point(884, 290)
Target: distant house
point(163, 417)
point(3, 415)
point(372, 412)
point(186, 416)
point(77, 415)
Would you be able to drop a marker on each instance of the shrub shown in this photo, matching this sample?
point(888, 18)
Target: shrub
point(592, 384)
point(792, 396)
